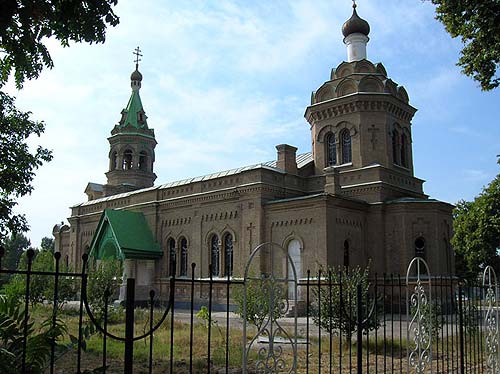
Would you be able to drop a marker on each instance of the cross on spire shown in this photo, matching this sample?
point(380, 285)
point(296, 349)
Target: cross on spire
point(354, 4)
point(137, 53)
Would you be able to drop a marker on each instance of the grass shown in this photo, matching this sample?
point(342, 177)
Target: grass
point(343, 356)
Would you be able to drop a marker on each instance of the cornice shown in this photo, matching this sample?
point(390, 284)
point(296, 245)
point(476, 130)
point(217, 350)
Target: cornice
point(359, 102)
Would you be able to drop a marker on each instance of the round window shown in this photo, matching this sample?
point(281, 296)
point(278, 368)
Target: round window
point(420, 244)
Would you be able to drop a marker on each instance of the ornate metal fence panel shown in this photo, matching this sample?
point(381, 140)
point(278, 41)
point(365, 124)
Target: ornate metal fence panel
point(491, 320)
point(274, 277)
point(418, 309)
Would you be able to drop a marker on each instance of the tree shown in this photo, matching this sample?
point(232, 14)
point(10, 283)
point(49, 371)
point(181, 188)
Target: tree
point(335, 307)
point(478, 25)
point(47, 244)
point(259, 293)
point(25, 26)
point(14, 247)
point(41, 286)
point(477, 231)
point(103, 275)
point(17, 163)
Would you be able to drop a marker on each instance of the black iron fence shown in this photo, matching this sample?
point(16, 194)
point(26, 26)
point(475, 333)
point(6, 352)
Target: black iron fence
point(328, 322)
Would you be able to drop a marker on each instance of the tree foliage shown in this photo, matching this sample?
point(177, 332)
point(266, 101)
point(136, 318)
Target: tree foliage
point(103, 275)
point(477, 231)
point(335, 308)
point(25, 27)
point(262, 295)
point(477, 23)
point(14, 247)
point(41, 286)
point(38, 344)
point(17, 162)
point(47, 244)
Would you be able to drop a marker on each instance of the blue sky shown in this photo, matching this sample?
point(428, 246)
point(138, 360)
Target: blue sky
point(226, 81)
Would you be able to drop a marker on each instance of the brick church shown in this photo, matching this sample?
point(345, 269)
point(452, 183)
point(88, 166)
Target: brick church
point(352, 200)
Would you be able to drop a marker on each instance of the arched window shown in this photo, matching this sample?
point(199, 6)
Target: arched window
point(295, 260)
point(113, 161)
point(228, 255)
point(395, 138)
point(346, 255)
point(346, 147)
point(184, 258)
point(127, 160)
point(143, 161)
point(404, 150)
point(215, 255)
point(171, 256)
point(331, 150)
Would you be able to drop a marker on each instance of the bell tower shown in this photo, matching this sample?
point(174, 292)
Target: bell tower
point(132, 144)
point(361, 125)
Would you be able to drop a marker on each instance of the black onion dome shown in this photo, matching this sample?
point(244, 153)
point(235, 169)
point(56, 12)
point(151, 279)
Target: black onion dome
point(355, 24)
point(136, 76)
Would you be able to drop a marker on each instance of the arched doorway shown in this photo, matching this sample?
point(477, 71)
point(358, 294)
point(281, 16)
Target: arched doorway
point(294, 253)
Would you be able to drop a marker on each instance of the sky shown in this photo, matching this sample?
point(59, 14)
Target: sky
point(224, 82)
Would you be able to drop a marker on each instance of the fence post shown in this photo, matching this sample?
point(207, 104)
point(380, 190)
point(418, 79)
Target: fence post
point(461, 333)
point(359, 329)
point(129, 327)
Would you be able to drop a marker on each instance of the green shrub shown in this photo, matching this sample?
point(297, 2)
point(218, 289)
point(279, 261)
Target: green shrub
point(260, 292)
point(431, 313)
point(103, 275)
point(38, 344)
point(337, 306)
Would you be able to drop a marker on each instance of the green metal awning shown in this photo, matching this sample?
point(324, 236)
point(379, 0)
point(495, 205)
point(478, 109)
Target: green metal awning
point(123, 234)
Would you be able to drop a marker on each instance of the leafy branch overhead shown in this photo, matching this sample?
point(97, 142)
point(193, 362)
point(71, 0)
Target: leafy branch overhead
point(25, 27)
point(477, 23)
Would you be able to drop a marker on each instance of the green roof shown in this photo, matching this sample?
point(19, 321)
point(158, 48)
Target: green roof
point(134, 107)
point(124, 234)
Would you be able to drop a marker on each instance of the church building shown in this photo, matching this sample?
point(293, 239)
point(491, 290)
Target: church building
point(352, 200)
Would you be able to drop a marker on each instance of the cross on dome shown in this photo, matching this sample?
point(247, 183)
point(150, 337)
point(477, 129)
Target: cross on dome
point(137, 53)
point(136, 76)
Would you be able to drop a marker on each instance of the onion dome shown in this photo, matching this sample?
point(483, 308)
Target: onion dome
point(355, 24)
point(136, 76)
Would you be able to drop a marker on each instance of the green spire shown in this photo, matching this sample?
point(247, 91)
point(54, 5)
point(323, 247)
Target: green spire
point(134, 119)
point(134, 115)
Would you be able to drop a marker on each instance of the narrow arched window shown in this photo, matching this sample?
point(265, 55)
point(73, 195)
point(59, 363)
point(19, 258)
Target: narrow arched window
point(143, 161)
point(346, 254)
point(184, 258)
point(127, 160)
point(331, 150)
point(404, 150)
point(171, 256)
point(228, 255)
point(346, 147)
point(113, 161)
point(395, 138)
point(215, 255)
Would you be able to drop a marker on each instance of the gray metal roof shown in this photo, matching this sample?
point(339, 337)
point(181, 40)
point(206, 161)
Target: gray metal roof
point(302, 160)
point(95, 187)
